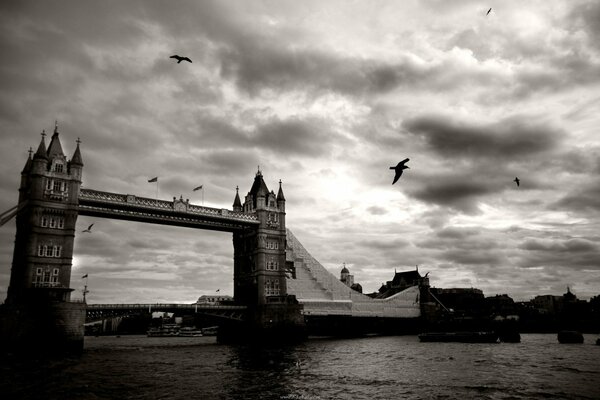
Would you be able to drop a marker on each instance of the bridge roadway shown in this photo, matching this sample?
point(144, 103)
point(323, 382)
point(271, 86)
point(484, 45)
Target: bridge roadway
point(95, 203)
point(96, 312)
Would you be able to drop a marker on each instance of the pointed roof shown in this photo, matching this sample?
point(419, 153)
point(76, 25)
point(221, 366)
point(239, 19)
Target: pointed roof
point(407, 276)
point(55, 149)
point(27, 166)
point(259, 188)
point(76, 159)
point(237, 202)
point(41, 151)
point(280, 196)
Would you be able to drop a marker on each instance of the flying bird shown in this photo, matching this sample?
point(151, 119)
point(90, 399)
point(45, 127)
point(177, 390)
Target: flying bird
point(399, 168)
point(89, 229)
point(180, 59)
point(517, 181)
point(490, 10)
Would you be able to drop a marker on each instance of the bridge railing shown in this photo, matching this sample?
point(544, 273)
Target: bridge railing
point(160, 306)
point(156, 204)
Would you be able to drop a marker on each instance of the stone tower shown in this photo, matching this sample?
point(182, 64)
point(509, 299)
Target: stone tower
point(48, 198)
point(259, 259)
point(259, 271)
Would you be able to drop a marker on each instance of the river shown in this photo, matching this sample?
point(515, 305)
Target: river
point(378, 367)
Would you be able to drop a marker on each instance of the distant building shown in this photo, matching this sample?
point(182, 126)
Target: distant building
point(402, 281)
point(462, 301)
point(212, 299)
point(501, 305)
point(348, 279)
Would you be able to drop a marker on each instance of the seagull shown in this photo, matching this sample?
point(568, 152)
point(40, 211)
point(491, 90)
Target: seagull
point(490, 10)
point(180, 59)
point(517, 181)
point(399, 168)
point(89, 229)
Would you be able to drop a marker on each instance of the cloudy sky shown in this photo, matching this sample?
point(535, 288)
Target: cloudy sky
point(325, 96)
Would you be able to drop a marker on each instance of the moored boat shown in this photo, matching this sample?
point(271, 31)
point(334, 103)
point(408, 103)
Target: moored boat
point(570, 337)
point(461, 337)
point(165, 330)
point(190, 331)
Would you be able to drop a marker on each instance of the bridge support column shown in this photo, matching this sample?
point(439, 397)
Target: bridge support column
point(42, 328)
point(273, 323)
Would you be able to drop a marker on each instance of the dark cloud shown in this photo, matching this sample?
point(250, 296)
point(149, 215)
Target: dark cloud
point(377, 210)
point(582, 199)
point(507, 139)
point(457, 233)
point(568, 253)
point(453, 191)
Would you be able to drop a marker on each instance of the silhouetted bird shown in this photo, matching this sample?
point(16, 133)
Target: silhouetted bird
point(399, 168)
point(517, 181)
point(180, 59)
point(490, 10)
point(89, 229)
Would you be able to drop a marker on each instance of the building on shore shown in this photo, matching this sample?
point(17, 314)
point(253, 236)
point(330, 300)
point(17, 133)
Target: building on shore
point(348, 280)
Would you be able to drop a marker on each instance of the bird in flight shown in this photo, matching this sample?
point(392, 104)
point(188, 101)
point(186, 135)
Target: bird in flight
point(399, 168)
point(489, 11)
point(89, 229)
point(517, 181)
point(180, 59)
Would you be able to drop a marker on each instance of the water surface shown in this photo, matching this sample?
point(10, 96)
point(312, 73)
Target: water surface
point(391, 367)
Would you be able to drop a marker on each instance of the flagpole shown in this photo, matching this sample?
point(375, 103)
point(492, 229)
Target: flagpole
point(202, 194)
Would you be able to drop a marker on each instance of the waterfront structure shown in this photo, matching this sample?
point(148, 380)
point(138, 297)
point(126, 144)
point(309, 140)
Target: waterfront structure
point(323, 294)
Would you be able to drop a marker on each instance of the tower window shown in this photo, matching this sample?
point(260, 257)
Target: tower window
point(44, 222)
point(58, 167)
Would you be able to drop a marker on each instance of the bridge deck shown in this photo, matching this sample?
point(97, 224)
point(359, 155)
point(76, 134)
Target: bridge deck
point(177, 212)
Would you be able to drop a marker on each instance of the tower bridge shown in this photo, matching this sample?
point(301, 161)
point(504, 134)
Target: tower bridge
point(277, 284)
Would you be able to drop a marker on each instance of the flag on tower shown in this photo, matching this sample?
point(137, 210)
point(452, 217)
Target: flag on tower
point(85, 276)
point(155, 179)
point(198, 188)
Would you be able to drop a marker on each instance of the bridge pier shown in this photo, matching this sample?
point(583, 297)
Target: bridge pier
point(276, 323)
point(42, 328)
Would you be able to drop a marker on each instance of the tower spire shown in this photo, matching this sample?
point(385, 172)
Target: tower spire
point(76, 159)
point(280, 196)
point(41, 151)
point(237, 204)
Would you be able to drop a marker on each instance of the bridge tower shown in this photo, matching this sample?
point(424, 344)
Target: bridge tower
point(45, 231)
point(259, 263)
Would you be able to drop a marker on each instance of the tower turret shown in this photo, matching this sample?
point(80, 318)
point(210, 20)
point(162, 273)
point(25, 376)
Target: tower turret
point(237, 204)
point(280, 198)
point(55, 149)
